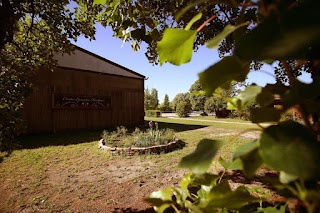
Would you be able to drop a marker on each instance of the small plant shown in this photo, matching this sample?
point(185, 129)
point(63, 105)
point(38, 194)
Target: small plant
point(114, 138)
point(152, 137)
point(122, 131)
point(138, 138)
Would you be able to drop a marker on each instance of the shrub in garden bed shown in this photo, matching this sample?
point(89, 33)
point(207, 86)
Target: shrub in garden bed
point(138, 138)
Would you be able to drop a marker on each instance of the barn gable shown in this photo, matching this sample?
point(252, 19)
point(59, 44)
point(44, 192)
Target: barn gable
point(82, 59)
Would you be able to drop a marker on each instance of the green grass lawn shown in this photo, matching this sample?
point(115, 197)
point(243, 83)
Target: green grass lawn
point(67, 172)
point(205, 121)
point(212, 118)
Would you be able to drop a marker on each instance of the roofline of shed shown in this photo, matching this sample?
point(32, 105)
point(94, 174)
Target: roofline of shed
point(108, 61)
point(102, 73)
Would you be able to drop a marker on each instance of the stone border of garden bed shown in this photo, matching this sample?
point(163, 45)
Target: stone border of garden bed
point(171, 146)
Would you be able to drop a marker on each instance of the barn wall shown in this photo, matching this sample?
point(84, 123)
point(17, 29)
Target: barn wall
point(126, 95)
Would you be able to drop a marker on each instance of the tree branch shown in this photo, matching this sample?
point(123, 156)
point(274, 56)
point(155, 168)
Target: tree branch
point(224, 12)
point(288, 71)
point(206, 22)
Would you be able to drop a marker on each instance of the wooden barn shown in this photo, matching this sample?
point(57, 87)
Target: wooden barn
point(86, 91)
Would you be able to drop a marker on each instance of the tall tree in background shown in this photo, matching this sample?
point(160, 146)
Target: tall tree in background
point(166, 103)
point(197, 100)
point(151, 101)
point(147, 99)
point(165, 106)
point(154, 99)
point(31, 32)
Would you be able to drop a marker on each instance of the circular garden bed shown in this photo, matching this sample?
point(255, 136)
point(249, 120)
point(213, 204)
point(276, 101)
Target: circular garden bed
point(151, 141)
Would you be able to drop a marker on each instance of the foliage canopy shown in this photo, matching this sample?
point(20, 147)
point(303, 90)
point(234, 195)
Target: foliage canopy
point(31, 32)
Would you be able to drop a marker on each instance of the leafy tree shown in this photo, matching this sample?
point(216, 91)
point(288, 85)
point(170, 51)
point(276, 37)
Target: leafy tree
point(183, 109)
point(215, 103)
point(180, 97)
point(165, 106)
point(147, 99)
point(31, 32)
point(196, 98)
point(154, 102)
point(150, 99)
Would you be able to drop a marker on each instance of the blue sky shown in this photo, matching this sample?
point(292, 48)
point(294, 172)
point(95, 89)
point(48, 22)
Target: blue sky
point(167, 79)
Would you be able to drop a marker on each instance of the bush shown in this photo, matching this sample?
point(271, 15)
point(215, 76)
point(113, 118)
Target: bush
point(239, 115)
point(223, 113)
point(153, 113)
point(183, 109)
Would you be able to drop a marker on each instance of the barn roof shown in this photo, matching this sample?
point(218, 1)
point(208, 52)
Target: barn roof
point(82, 59)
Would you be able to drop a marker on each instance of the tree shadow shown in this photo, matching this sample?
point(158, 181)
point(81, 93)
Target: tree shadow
point(177, 127)
point(32, 141)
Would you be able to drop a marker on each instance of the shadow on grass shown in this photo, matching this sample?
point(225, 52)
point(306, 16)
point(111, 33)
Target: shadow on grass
point(59, 139)
point(63, 139)
point(177, 127)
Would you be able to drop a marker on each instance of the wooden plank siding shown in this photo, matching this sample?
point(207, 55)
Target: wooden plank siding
point(126, 94)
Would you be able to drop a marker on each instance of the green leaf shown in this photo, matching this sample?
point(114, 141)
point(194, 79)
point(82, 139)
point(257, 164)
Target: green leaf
point(176, 46)
point(99, 2)
point(265, 98)
point(206, 179)
point(164, 194)
point(185, 181)
point(222, 196)
point(301, 92)
point(285, 35)
point(286, 178)
point(161, 199)
point(245, 149)
point(215, 41)
point(292, 148)
point(192, 208)
point(245, 98)
point(267, 114)
point(193, 20)
point(181, 195)
point(200, 160)
point(233, 104)
point(232, 165)
point(223, 73)
point(251, 161)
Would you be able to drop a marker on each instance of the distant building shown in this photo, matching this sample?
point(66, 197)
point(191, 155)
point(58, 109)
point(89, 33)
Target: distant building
point(86, 91)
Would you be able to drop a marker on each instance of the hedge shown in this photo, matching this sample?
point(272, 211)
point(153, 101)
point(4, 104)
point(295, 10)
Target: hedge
point(153, 113)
